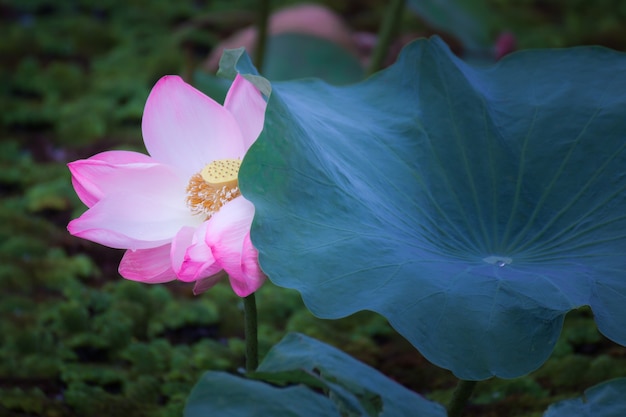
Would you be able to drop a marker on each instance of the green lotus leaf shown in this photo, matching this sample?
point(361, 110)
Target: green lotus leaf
point(468, 20)
point(603, 400)
point(473, 207)
point(225, 395)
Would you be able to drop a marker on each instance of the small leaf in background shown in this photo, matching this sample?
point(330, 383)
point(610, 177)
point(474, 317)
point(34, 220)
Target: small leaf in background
point(304, 40)
point(211, 85)
point(292, 55)
point(225, 395)
point(603, 400)
point(473, 207)
point(305, 366)
point(467, 20)
point(289, 56)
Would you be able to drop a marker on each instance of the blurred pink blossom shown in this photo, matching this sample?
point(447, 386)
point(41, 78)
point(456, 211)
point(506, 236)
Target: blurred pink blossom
point(505, 44)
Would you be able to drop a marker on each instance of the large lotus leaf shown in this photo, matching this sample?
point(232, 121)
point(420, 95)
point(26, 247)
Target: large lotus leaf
point(473, 207)
point(603, 400)
point(307, 367)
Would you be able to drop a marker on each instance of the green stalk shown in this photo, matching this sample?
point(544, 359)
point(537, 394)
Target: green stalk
point(262, 28)
point(251, 333)
point(386, 33)
point(460, 397)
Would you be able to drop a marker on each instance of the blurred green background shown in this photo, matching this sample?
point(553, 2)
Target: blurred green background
point(78, 340)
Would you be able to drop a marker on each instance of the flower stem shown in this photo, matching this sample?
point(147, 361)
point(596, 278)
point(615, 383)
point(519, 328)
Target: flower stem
point(387, 30)
point(461, 395)
point(262, 28)
point(251, 333)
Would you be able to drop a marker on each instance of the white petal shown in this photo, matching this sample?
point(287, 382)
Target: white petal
point(184, 128)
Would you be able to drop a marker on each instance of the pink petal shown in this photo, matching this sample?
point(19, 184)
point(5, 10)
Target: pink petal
point(122, 157)
point(191, 257)
point(207, 283)
point(143, 206)
point(250, 265)
point(131, 221)
point(180, 243)
point(151, 266)
point(247, 104)
point(186, 129)
point(90, 177)
point(228, 236)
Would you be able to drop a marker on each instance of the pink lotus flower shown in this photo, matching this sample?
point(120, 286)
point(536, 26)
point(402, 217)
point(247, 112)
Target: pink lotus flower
point(178, 212)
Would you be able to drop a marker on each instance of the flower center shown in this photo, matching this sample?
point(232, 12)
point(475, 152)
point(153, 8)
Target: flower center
point(213, 187)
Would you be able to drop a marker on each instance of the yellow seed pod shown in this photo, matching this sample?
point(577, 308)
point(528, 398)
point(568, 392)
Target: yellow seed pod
point(222, 172)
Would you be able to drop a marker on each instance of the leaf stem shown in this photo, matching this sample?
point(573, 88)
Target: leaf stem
point(251, 332)
point(263, 14)
point(387, 30)
point(461, 395)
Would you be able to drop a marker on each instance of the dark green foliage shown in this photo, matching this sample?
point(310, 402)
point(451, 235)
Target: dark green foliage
point(85, 71)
